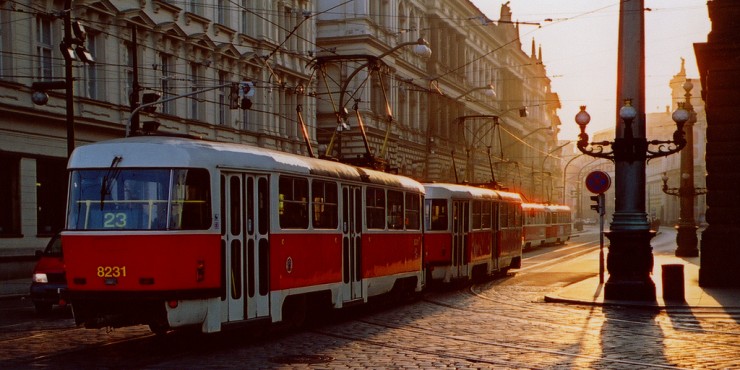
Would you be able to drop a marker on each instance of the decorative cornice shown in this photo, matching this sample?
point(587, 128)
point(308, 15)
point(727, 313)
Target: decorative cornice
point(158, 5)
point(202, 21)
point(220, 28)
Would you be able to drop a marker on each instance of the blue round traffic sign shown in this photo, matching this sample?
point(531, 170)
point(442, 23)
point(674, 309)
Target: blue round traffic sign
point(598, 182)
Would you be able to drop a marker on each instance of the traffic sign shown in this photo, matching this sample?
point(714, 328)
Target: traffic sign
point(598, 182)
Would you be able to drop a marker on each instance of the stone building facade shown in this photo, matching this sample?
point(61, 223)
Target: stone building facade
point(719, 67)
point(191, 54)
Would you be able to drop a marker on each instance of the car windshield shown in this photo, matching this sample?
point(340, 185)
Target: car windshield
point(55, 246)
point(139, 199)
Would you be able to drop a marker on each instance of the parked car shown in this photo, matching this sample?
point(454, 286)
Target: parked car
point(49, 282)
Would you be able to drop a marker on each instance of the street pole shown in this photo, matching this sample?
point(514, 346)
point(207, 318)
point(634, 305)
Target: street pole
point(630, 260)
point(686, 238)
point(68, 78)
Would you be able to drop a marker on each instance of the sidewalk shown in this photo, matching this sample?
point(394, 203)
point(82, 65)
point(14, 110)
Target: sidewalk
point(591, 292)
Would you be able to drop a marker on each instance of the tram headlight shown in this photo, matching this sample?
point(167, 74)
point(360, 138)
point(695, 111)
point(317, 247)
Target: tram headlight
point(40, 278)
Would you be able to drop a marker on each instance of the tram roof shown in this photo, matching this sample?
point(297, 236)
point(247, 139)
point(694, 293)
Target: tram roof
point(533, 206)
point(175, 152)
point(465, 191)
point(557, 207)
point(546, 207)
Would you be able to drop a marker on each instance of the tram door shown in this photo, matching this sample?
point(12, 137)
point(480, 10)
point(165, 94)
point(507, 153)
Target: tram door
point(257, 259)
point(245, 210)
point(460, 210)
point(351, 243)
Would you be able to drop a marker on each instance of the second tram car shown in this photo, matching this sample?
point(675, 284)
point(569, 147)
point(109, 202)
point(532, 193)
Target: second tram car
point(470, 231)
point(174, 232)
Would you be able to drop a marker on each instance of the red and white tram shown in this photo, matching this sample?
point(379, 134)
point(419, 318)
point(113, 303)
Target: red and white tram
point(546, 224)
point(470, 231)
point(174, 232)
point(559, 224)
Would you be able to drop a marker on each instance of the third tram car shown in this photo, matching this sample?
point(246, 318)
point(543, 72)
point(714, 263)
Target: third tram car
point(546, 224)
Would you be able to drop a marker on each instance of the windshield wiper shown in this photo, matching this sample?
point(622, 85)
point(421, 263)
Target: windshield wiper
point(108, 179)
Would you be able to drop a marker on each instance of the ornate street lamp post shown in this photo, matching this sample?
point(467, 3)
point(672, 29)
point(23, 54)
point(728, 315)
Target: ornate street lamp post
point(630, 259)
point(686, 238)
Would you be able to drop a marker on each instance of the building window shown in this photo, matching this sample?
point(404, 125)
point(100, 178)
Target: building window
point(94, 88)
point(222, 13)
point(168, 107)
point(195, 7)
point(10, 212)
point(4, 43)
point(195, 100)
point(129, 71)
point(244, 17)
point(224, 108)
point(51, 194)
point(44, 47)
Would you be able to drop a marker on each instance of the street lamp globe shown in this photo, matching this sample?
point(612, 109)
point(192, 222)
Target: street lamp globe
point(422, 49)
point(681, 115)
point(40, 97)
point(490, 92)
point(583, 118)
point(627, 112)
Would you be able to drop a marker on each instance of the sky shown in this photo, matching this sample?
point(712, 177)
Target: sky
point(579, 50)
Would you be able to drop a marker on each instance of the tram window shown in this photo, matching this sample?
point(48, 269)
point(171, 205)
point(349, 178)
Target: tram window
point(395, 210)
point(324, 205)
point(513, 215)
point(263, 209)
point(139, 199)
point(438, 210)
point(293, 206)
point(476, 215)
point(191, 200)
point(518, 215)
point(485, 215)
point(504, 218)
point(375, 208)
point(413, 212)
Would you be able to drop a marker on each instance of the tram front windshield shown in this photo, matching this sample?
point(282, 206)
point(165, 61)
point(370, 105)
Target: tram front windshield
point(139, 199)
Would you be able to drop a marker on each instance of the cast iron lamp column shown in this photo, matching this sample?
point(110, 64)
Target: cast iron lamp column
point(686, 238)
point(630, 259)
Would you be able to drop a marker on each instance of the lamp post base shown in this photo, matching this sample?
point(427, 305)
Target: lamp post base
point(687, 241)
point(630, 262)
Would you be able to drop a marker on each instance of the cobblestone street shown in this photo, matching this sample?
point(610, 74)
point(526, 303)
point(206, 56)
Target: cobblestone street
point(503, 323)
